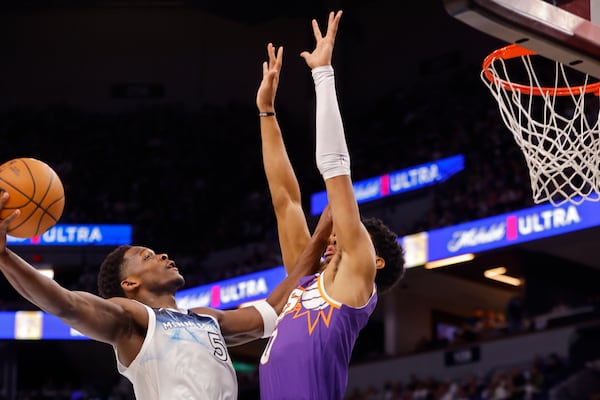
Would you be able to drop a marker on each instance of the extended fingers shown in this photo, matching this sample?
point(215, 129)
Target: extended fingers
point(3, 199)
point(275, 60)
point(271, 53)
point(280, 55)
point(316, 30)
point(11, 217)
point(332, 24)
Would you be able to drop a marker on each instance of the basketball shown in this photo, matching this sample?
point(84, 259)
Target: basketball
point(36, 190)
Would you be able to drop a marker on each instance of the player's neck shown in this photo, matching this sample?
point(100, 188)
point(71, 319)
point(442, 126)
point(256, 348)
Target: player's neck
point(158, 300)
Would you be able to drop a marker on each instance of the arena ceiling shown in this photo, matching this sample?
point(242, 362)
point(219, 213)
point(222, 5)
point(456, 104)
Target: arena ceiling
point(239, 11)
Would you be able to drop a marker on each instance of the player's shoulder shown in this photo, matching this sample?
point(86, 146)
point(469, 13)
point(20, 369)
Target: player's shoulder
point(132, 308)
point(211, 312)
point(126, 302)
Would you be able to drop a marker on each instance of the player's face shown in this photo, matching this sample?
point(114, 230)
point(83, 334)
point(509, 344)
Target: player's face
point(153, 270)
point(331, 248)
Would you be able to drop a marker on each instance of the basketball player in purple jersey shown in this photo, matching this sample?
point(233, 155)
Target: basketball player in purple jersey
point(308, 354)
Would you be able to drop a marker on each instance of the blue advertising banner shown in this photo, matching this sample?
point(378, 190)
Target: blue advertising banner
point(34, 325)
point(78, 235)
point(489, 233)
point(54, 328)
point(7, 325)
point(231, 293)
point(507, 229)
point(394, 183)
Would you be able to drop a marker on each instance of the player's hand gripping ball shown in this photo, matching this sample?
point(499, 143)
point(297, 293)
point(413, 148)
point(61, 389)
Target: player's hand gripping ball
point(36, 190)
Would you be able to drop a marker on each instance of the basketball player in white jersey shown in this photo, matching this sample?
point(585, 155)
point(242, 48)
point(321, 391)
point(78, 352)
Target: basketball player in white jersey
point(166, 352)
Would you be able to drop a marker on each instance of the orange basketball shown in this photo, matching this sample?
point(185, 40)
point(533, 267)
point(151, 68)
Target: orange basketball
point(37, 191)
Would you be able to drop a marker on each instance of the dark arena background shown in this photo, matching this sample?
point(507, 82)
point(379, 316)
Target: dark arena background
point(146, 110)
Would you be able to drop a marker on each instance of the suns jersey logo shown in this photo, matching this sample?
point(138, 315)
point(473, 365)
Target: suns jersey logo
point(312, 299)
point(308, 298)
point(309, 303)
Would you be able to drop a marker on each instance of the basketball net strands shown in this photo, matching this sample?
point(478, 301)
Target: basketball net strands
point(546, 88)
point(553, 113)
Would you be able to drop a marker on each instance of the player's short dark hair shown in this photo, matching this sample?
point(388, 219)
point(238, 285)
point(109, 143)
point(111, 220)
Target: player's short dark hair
point(109, 277)
point(387, 247)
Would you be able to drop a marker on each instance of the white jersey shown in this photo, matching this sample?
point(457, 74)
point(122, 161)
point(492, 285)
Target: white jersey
point(183, 357)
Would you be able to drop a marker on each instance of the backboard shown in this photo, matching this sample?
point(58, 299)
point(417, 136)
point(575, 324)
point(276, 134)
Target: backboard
point(567, 31)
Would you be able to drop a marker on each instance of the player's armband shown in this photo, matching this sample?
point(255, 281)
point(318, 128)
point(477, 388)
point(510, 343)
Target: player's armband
point(332, 154)
point(268, 315)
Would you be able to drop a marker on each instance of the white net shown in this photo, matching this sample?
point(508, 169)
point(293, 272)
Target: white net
point(558, 134)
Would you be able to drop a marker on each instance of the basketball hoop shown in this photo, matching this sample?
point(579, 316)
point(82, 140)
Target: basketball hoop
point(553, 113)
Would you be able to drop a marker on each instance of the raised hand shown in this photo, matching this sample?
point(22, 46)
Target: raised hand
point(5, 223)
point(323, 51)
point(265, 97)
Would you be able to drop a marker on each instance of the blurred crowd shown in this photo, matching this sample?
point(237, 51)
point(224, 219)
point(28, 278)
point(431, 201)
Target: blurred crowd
point(523, 382)
point(191, 182)
point(540, 379)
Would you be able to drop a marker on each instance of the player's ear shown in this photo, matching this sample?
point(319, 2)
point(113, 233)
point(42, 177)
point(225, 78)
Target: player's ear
point(130, 284)
point(379, 262)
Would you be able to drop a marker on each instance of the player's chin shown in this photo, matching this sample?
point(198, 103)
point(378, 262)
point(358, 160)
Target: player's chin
point(326, 259)
point(180, 281)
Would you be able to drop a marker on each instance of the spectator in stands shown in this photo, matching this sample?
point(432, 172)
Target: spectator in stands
point(498, 389)
point(554, 370)
point(535, 382)
point(517, 382)
point(515, 314)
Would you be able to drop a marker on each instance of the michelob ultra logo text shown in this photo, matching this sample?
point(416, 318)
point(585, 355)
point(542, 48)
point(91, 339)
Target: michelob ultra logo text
point(514, 227)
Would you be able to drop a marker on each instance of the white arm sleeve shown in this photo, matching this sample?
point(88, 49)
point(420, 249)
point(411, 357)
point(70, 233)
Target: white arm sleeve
point(268, 315)
point(331, 150)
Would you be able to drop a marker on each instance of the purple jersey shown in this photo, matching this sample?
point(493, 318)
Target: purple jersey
point(308, 354)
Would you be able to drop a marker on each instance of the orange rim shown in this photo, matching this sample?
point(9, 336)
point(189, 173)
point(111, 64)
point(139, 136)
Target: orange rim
point(514, 51)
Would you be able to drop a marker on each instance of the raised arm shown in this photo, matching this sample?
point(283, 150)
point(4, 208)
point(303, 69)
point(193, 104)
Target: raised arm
point(356, 253)
point(246, 324)
point(283, 185)
point(308, 263)
point(91, 315)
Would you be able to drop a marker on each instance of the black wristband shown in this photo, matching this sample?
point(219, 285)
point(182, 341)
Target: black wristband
point(266, 114)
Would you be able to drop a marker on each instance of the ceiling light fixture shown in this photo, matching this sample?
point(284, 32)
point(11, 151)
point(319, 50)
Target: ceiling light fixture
point(449, 261)
point(499, 274)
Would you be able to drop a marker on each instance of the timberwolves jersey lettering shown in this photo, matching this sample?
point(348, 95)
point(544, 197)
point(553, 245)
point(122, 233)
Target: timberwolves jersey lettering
point(183, 357)
point(308, 354)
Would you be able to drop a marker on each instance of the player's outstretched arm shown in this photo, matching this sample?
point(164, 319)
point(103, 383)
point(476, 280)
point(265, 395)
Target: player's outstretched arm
point(357, 266)
point(91, 315)
point(247, 323)
point(283, 185)
point(308, 263)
